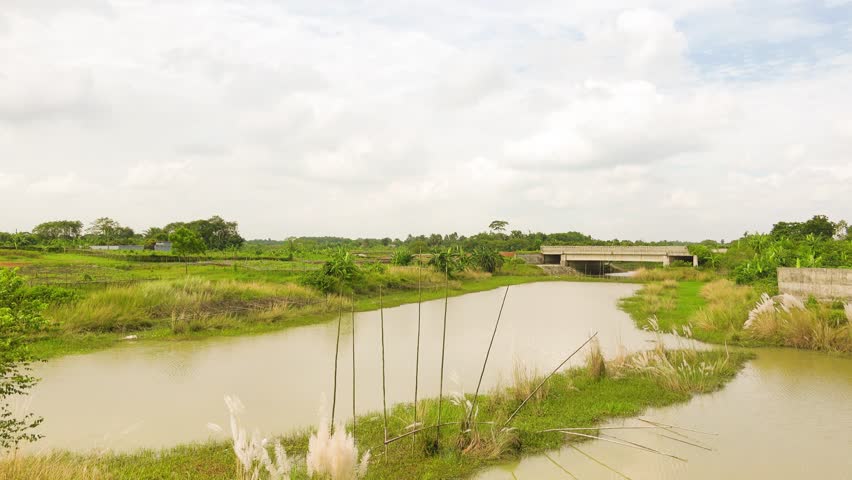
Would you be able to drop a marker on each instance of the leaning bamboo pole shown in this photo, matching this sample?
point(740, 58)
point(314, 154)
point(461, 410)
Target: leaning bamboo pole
point(559, 466)
point(336, 354)
point(354, 417)
point(487, 354)
point(443, 351)
point(384, 386)
point(600, 463)
point(547, 378)
point(417, 350)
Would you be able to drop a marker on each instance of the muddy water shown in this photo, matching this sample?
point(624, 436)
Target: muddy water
point(787, 416)
point(156, 395)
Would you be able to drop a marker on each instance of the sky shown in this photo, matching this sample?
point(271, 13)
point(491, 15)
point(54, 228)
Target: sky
point(666, 119)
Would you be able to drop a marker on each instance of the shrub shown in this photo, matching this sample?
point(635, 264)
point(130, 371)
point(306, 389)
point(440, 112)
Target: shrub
point(402, 257)
point(486, 259)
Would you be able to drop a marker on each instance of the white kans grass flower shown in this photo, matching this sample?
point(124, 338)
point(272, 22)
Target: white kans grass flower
point(251, 451)
point(848, 308)
point(334, 455)
point(764, 305)
point(789, 302)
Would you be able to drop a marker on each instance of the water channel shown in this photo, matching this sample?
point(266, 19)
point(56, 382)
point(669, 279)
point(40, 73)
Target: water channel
point(787, 415)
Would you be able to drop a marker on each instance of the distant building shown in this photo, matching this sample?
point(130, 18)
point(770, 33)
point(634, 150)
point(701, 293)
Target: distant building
point(163, 246)
point(116, 247)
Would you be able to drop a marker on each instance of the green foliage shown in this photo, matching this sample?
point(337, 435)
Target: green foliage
point(498, 225)
point(338, 273)
point(819, 226)
point(486, 259)
point(756, 257)
point(450, 261)
point(215, 232)
point(402, 257)
point(106, 231)
point(59, 230)
point(20, 317)
point(186, 242)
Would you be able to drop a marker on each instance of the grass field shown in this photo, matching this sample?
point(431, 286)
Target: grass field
point(718, 311)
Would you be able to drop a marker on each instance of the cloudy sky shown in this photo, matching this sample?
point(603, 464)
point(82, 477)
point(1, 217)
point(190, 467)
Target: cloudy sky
point(668, 119)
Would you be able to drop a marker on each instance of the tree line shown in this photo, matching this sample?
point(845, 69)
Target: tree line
point(214, 233)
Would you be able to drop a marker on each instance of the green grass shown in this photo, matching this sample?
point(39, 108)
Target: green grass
point(119, 307)
point(716, 312)
point(685, 299)
point(573, 399)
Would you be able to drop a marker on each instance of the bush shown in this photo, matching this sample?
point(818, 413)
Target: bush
point(486, 259)
point(402, 257)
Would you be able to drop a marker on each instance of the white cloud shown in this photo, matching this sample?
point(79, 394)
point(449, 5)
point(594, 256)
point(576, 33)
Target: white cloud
point(393, 118)
point(59, 185)
point(150, 174)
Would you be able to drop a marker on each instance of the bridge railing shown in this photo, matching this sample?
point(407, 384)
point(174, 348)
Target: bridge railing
point(671, 250)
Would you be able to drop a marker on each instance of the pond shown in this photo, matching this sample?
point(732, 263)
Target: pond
point(787, 415)
point(162, 394)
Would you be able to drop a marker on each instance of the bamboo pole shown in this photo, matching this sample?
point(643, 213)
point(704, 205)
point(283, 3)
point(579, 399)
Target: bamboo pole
point(417, 351)
point(688, 443)
point(547, 378)
point(609, 435)
point(443, 350)
point(384, 388)
point(559, 466)
point(600, 463)
point(664, 425)
point(427, 427)
point(336, 354)
point(487, 354)
point(624, 444)
point(354, 417)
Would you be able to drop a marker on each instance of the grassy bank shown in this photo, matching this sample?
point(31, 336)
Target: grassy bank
point(195, 308)
point(581, 397)
point(720, 311)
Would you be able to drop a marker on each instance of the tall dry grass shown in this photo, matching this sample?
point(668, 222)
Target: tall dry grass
point(595, 363)
point(727, 306)
point(672, 273)
point(785, 320)
point(685, 370)
point(55, 466)
point(144, 305)
point(524, 381)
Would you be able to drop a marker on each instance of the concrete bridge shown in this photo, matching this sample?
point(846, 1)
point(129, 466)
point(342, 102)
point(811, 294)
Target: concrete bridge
point(583, 256)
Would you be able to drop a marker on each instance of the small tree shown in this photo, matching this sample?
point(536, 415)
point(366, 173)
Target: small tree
point(186, 242)
point(487, 259)
point(402, 256)
point(20, 317)
point(498, 225)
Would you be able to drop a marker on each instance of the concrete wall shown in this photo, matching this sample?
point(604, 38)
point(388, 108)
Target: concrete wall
point(822, 283)
point(116, 247)
point(531, 258)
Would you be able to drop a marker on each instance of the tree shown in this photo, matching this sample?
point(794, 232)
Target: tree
point(20, 317)
point(108, 231)
point(498, 226)
point(186, 242)
point(819, 226)
point(59, 230)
